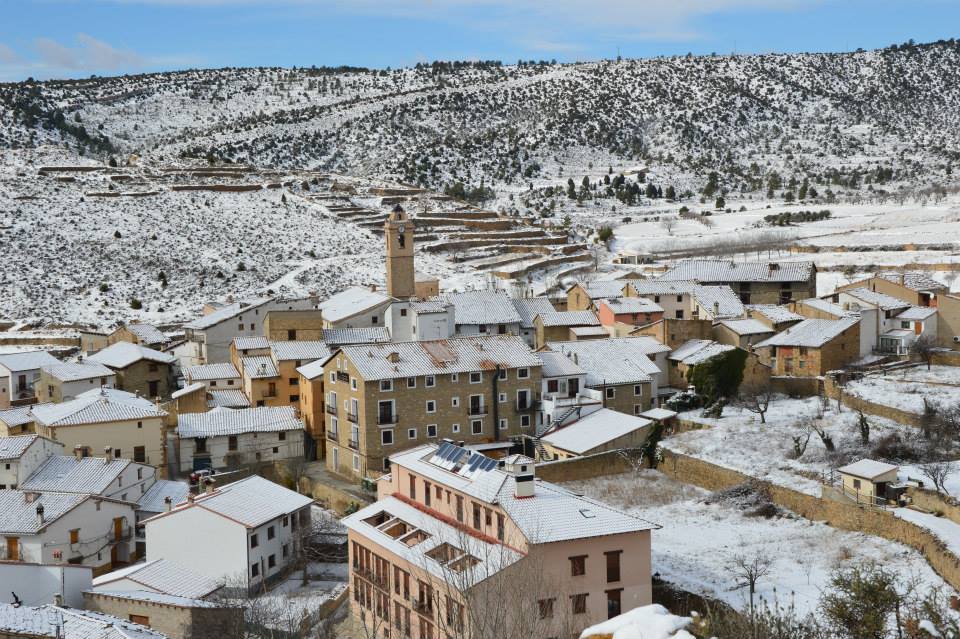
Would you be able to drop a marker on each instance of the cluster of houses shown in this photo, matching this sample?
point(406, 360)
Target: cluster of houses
point(444, 401)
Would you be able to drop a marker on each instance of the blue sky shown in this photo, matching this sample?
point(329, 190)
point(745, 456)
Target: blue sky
point(77, 38)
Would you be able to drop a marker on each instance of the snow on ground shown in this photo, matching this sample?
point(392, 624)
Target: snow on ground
point(906, 389)
point(695, 547)
point(291, 600)
point(739, 441)
point(945, 529)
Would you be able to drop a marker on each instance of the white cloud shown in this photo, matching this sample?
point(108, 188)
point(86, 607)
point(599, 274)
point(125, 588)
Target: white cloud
point(8, 55)
point(90, 54)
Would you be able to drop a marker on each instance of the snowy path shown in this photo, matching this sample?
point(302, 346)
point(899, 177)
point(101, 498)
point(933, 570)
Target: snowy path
point(945, 529)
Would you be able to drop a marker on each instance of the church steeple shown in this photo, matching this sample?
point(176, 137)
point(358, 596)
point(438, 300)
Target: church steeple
point(398, 231)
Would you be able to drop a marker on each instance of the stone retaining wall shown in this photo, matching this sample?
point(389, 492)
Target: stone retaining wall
point(612, 462)
point(870, 408)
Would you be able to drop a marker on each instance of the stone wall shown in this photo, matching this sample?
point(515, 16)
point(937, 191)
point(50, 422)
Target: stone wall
point(610, 462)
point(838, 514)
point(870, 408)
point(796, 386)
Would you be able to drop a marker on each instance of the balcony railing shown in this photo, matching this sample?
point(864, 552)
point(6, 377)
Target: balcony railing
point(388, 420)
point(352, 418)
point(524, 406)
point(478, 411)
point(267, 394)
point(354, 444)
point(332, 435)
point(331, 410)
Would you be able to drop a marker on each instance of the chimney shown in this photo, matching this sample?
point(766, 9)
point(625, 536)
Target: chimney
point(57, 599)
point(39, 514)
point(29, 496)
point(521, 468)
point(209, 485)
point(191, 497)
point(78, 452)
point(107, 454)
point(167, 503)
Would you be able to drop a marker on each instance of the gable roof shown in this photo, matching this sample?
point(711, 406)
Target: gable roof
point(123, 354)
point(483, 307)
point(15, 447)
point(811, 333)
point(914, 280)
point(632, 305)
point(350, 302)
point(558, 365)
point(917, 313)
point(774, 313)
point(696, 351)
point(867, 469)
point(312, 370)
point(186, 390)
point(730, 271)
point(529, 307)
point(297, 350)
point(212, 371)
point(359, 335)
point(229, 398)
point(161, 576)
point(17, 515)
point(221, 422)
point(250, 342)
point(94, 406)
point(154, 500)
point(223, 314)
point(147, 333)
point(880, 300)
point(74, 372)
point(647, 288)
point(27, 360)
point(593, 430)
point(569, 318)
point(614, 361)
point(19, 416)
point(62, 473)
point(249, 502)
point(69, 623)
point(597, 289)
point(259, 367)
point(746, 326)
point(719, 301)
point(440, 357)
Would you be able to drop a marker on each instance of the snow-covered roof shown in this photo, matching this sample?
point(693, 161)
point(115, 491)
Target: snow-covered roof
point(918, 313)
point(596, 429)
point(658, 414)
point(229, 398)
point(66, 473)
point(898, 333)
point(440, 357)
point(27, 360)
point(746, 326)
point(69, 623)
point(312, 370)
point(250, 502)
point(825, 306)
point(223, 314)
point(632, 305)
point(559, 365)
point(914, 280)
point(647, 622)
point(568, 318)
point(259, 367)
point(879, 300)
point(18, 416)
point(621, 360)
point(552, 514)
point(153, 501)
point(696, 351)
point(350, 302)
point(14, 447)
point(719, 301)
point(18, 515)
point(212, 371)
point(251, 342)
point(609, 289)
point(156, 598)
point(360, 335)
point(94, 406)
point(304, 351)
point(483, 307)
point(73, 372)
point(430, 306)
point(530, 307)
point(867, 469)
point(811, 333)
point(147, 333)
point(186, 390)
point(220, 422)
point(649, 288)
point(774, 313)
point(161, 576)
point(123, 354)
point(730, 271)
point(589, 331)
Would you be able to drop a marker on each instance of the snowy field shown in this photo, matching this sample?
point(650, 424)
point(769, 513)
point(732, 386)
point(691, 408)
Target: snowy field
point(739, 441)
point(290, 601)
point(906, 389)
point(696, 545)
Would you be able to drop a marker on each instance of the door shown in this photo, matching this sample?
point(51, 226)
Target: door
point(573, 387)
point(117, 529)
point(154, 390)
point(13, 548)
point(336, 459)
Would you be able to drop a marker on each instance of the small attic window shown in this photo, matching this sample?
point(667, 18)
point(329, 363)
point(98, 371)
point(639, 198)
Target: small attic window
point(587, 513)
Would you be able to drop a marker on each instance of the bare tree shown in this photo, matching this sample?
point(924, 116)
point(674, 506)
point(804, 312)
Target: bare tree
point(800, 445)
point(293, 470)
point(817, 426)
point(938, 473)
point(749, 570)
point(864, 427)
point(756, 398)
point(667, 223)
point(924, 349)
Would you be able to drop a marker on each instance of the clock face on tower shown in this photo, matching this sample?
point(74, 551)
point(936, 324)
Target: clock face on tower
point(401, 228)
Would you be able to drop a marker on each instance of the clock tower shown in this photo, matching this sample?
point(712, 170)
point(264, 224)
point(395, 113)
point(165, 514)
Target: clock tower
point(398, 231)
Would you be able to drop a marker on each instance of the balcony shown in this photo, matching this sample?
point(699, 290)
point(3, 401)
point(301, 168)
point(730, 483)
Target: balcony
point(525, 406)
point(422, 607)
point(331, 410)
point(332, 435)
point(354, 444)
point(352, 418)
point(478, 411)
point(268, 394)
point(384, 419)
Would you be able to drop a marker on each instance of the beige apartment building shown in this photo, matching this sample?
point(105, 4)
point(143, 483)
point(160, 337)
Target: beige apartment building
point(453, 529)
point(385, 398)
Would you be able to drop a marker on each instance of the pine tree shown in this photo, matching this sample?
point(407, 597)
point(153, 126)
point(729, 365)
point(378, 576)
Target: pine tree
point(571, 189)
point(671, 193)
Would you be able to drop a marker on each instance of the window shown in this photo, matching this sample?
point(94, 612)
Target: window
point(116, 453)
point(431, 430)
point(523, 373)
point(525, 421)
point(272, 561)
point(286, 521)
point(611, 392)
point(353, 383)
point(579, 603)
point(431, 406)
point(500, 526)
point(386, 437)
point(240, 327)
point(282, 436)
point(375, 320)
point(427, 495)
point(476, 427)
point(455, 402)
point(356, 462)
point(856, 484)
point(502, 398)
point(294, 381)
point(455, 428)
point(270, 532)
point(613, 603)
point(545, 607)
point(578, 566)
point(429, 381)
point(385, 412)
point(501, 373)
point(637, 390)
point(140, 619)
point(476, 377)
point(613, 565)
point(286, 550)
point(411, 382)
point(140, 456)
point(200, 444)
point(411, 433)
point(679, 314)
point(231, 442)
point(459, 508)
point(75, 536)
point(254, 540)
point(476, 515)
point(413, 487)
point(553, 386)
point(454, 378)
point(333, 377)
point(503, 424)
point(386, 385)
point(637, 409)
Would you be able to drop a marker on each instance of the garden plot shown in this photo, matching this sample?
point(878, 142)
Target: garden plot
point(905, 390)
point(698, 541)
point(738, 441)
point(293, 599)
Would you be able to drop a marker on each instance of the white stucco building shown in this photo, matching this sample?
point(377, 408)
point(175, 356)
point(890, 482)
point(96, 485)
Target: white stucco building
point(20, 371)
point(23, 454)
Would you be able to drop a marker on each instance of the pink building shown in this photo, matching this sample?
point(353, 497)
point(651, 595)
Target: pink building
point(636, 311)
point(459, 545)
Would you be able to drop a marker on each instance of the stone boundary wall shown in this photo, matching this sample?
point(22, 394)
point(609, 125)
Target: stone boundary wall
point(946, 358)
point(840, 515)
point(795, 386)
point(870, 408)
point(611, 462)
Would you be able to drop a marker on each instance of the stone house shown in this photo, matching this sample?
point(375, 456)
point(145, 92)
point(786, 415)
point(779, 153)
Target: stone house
point(596, 432)
point(64, 381)
point(813, 347)
point(293, 325)
point(674, 332)
point(140, 334)
point(19, 373)
point(138, 369)
point(753, 282)
point(553, 326)
point(741, 332)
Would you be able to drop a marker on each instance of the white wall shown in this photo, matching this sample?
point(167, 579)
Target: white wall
point(4, 392)
point(213, 343)
point(266, 547)
point(13, 378)
point(468, 330)
point(376, 316)
point(70, 390)
point(248, 444)
point(36, 585)
point(39, 451)
point(434, 325)
point(209, 544)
